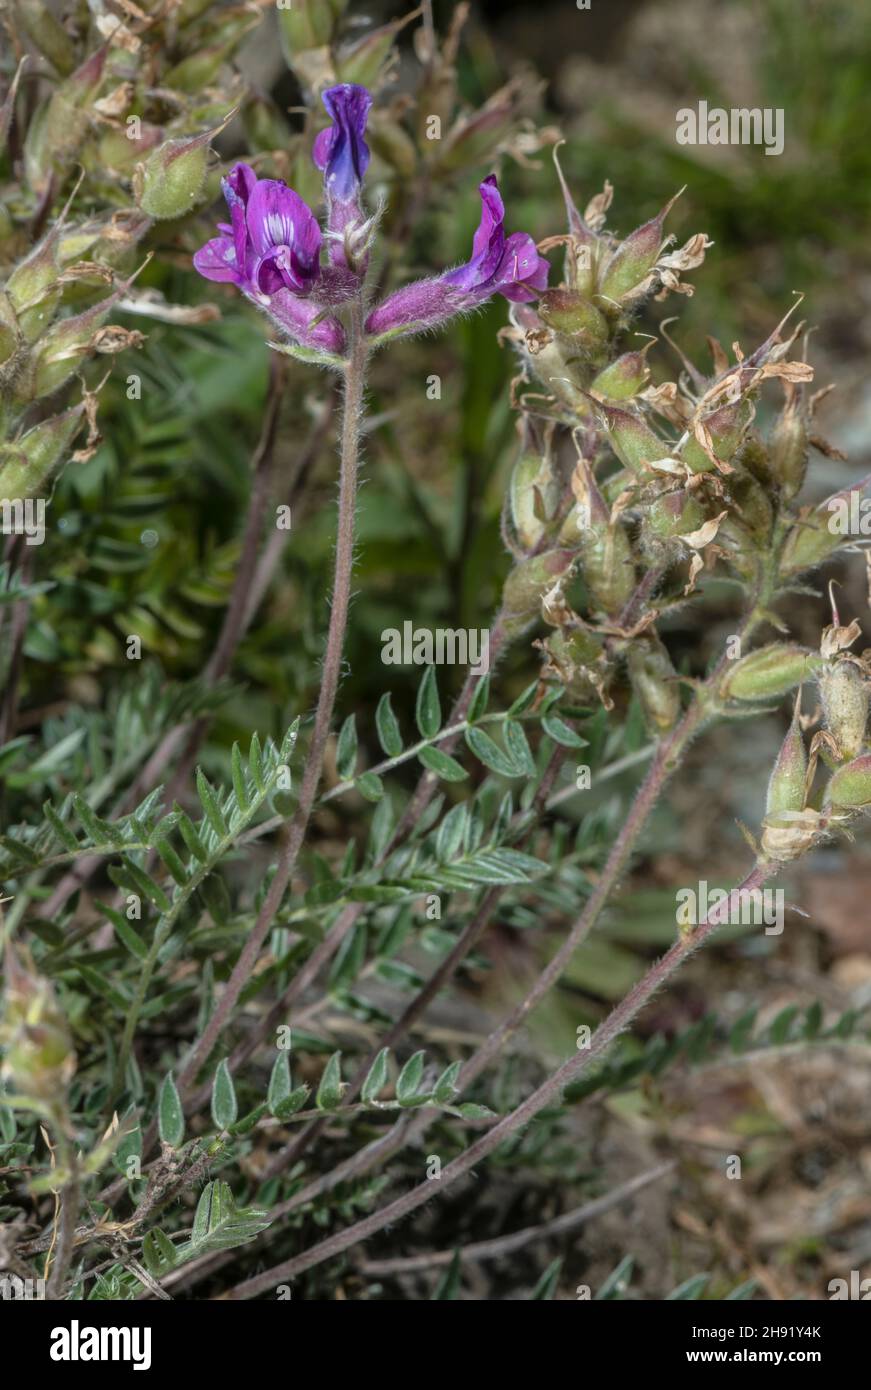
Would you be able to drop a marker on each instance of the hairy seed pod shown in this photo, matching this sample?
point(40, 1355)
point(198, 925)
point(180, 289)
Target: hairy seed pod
point(787, 781)
point(534, 495)
point(606, 555)
point(569, 313)
point(844, 696)
point(171, 180)
point(28, 464)
point(634, 258)
point(769, 671)
point(633, 441)
point(820, 530)
point(788, 445)
point(851, 784)
point(623, 378)
point(673, 514)
point(527, 584)
point(653, 681)
point(574, 657)
point(726, 426)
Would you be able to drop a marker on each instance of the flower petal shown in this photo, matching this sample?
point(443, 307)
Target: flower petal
point(342, 152)
point(217, 260)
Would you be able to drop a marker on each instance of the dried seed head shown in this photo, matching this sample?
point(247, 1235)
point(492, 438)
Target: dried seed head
point(788, 834)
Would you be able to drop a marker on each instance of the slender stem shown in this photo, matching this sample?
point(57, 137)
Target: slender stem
point(616, 1023)
point(516, 1240)
point(293, 838)
point(69, 1211)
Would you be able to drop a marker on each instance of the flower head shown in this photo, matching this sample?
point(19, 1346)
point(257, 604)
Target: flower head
point(273, 241)
point(271, 251)
point(340, 150)
point(510, 266)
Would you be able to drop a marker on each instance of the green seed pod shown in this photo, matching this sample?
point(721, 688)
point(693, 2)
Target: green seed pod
point(632, 440)
point(566, 311)
point(727, 426)
point(171, 180)
point(534, 494)
point(59, 129)
point(821, 530)
point(305, 25)
point(50, 37)
point(265, 126)
point(9, 331)
point(787, 782)
point(623, 378)
point(574, 659)
point(28, 464)
point(367, 59)
point(788, 445)
point(653, 681)
point(844, 696)
point(607, 564)
point(674, 514)
point(769, 671)
point(527, 584)
point(33, 287)
point(634, 258)
point(851, 785)
point(58, 353)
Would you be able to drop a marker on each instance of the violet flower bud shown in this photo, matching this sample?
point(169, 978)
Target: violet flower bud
point(510, 266)
point(343, 155)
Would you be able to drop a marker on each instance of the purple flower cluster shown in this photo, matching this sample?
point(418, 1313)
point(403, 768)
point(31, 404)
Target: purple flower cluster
point(271, 247)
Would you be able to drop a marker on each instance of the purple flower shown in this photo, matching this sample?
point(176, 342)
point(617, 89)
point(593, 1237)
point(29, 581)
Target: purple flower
point(510, 266)
point(271, 251)
point(273, 241)
point(341, 150)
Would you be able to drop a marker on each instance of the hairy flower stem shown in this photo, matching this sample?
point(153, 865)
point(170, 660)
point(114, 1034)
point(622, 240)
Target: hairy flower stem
point(548, 1092)
point(70, 1201)
point(293, 838)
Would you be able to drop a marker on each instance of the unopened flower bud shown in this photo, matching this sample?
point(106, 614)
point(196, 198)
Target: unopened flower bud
point(654, 681)
point(527, 584)
point(623, 378)
point(851, 784)
point(844, 696)
point(769, 671)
